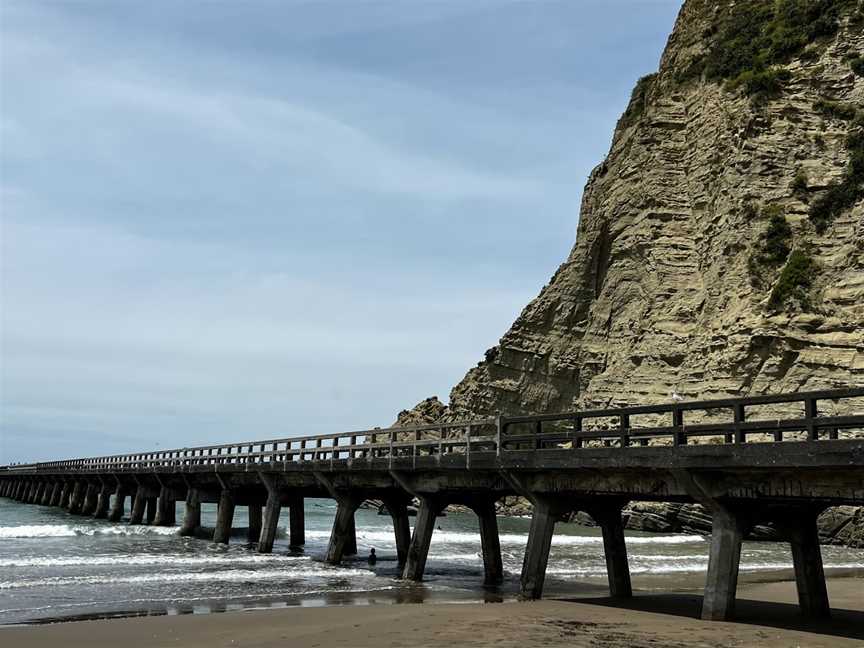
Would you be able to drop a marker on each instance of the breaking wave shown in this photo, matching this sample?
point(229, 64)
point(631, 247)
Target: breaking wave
point(150, 559)
point(223, 576)
point(72, 530)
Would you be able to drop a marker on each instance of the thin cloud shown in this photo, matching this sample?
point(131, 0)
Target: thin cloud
point(265, 220)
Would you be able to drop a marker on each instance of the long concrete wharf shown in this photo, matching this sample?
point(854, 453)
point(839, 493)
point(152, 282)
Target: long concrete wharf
point(780, 458)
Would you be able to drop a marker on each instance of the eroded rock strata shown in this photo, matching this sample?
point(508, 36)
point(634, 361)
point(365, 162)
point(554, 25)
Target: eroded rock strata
point(720, 247)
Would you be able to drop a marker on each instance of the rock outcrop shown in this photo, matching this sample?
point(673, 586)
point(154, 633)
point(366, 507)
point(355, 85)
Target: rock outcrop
point(426, 411)
point(842, 525)
point(720, 248)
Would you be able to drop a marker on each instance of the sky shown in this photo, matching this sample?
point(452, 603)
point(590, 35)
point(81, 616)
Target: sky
point(222, 221)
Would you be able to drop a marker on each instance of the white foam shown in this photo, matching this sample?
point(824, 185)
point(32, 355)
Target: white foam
point(462, 537)
point(685, 567)
point(223, 576)
point(70, 530)
point(149, 559)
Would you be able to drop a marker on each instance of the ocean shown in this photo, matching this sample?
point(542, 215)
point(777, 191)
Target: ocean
point(56, 566)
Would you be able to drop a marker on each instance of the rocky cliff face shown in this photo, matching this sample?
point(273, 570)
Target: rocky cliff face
point(664, 289)
point(720, 248)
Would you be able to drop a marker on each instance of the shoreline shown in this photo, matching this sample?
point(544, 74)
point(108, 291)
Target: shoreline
point(767, 615)
point(586, 588)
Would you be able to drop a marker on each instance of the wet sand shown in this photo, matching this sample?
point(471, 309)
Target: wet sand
point(767, 617)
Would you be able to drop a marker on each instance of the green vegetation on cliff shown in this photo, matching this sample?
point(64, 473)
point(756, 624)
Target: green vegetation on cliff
point(795, 280)
point(774, 250)
point(842, 195)
point(753, 38)
point(638, 99)
point(773, 246)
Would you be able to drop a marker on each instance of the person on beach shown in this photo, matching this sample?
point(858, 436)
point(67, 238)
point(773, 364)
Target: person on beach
point(372, 557)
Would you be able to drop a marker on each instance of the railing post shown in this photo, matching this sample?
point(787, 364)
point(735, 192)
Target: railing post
point(740, 417)
point(625, 429)
point(811, 411)
point(499, 431)
point(577, 429)
point(468, 448)
point(678, 436)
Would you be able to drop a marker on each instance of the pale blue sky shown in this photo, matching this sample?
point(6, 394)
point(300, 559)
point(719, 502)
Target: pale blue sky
point(232, 220)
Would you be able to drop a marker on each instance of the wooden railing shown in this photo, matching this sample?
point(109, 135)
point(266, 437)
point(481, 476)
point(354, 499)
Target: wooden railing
point(577, 431)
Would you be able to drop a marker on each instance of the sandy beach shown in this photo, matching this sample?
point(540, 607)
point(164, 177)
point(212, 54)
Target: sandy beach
point(767, 617)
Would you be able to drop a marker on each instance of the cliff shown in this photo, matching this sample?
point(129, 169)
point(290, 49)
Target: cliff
point(667, 287)
point(720, 247)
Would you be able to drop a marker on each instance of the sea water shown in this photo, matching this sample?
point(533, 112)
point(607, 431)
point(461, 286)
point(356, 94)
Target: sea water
point(56, 566)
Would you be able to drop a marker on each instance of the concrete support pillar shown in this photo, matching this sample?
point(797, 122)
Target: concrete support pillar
point(118, 507)
point(224, 517)
point(22, 490)
point(297, 523)
point(139, 504)
point(537, 550)
point(254, 515)
point(418, 550)
point(37, 492)
point(270, 521)
point(342, 534)
point(401, 528)
point(90, 496)
point(32, 492)
point(351, 538)
point(76, 499)
point(727, 531)
point(103, 501)
point(56, 492)
point(65, 494)
point(809, 573)
point(47, 491)
point(493, 566)
point(150, 514)
point(615, 547)
point(800, 527)
point(192, 518)
point(166, 509)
